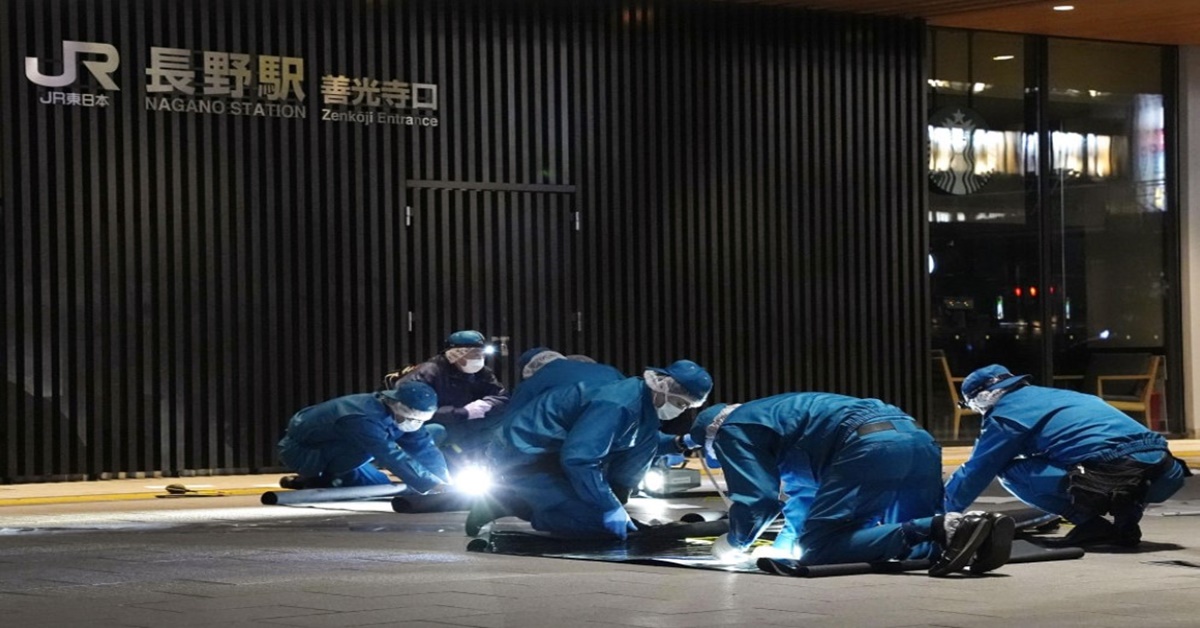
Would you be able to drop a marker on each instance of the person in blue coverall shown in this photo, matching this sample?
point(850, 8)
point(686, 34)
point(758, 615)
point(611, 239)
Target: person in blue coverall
point(570, 458)
point(470, 394)
point(543, 369)
point(1067, 453)
point(863, 483)
point(333, 444)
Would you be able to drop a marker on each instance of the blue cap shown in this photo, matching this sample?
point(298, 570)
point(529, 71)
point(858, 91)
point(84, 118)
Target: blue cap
point(418, 396)
point(992, 377)
point(465, 338)
point(526, 357)
point(691, 376)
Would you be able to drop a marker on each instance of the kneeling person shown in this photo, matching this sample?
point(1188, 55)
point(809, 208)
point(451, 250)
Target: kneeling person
point(570, 458)
point(333, 443)
point(863, 484)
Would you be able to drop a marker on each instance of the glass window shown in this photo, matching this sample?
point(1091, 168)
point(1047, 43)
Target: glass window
point(1086, 277)
point(1108, 210)
point(983, 237)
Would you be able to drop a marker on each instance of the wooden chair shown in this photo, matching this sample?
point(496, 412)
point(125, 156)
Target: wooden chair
point(1126, 380)
point(952, 384)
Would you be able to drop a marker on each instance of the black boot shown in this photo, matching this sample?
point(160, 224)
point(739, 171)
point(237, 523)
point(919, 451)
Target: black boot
point(489, 507)
point(1125, 524)
point(1094, 531)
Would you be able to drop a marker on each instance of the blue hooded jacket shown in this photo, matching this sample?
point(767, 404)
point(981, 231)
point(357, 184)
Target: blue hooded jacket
point(559, 373)
point(1063, 427)
point(362, 424)
point(598, 435)
point(805, 428)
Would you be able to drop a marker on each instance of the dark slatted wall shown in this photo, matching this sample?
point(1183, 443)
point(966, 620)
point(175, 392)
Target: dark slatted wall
point(747, 184)
point(752, 183)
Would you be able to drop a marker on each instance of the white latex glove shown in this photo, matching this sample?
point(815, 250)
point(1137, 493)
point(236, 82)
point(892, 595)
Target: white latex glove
point(725, 552)
point(476, 409)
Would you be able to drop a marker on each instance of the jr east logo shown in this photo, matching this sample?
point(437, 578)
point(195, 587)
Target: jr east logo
point(101, 61)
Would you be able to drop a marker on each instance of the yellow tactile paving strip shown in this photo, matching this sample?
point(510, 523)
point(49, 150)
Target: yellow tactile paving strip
point(1188, 450)
point(154, 488)
point(133, 489)
point(112, 497)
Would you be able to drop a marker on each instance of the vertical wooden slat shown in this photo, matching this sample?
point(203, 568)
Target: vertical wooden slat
point(177, 284)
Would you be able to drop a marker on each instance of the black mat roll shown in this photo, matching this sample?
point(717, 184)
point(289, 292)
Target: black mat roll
point(1022, 552)
point(437, 502)
point(1027, 518)
point(644, 543)
point(320, 495)
point(704, 515)
point(684, 530)
point(792, 568)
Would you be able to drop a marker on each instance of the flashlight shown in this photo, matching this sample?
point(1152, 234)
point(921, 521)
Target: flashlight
point(474, 480)
point(653, 482)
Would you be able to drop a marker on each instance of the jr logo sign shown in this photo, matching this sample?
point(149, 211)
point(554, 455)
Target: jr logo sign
point(101, 69)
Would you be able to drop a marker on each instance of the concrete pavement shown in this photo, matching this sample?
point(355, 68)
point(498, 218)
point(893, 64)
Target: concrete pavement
point(228, 561)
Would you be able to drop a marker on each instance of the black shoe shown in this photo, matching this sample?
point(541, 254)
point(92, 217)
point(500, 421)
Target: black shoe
point(997, 547)
point(485, 510)
point(1130, 537)
point(293, 482)
point(1095, 531)
point(972, 530)
point(1046, 528)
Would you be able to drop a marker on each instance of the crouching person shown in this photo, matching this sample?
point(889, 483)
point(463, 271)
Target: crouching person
point(333, 443)
point(863, 484)
point(570, 458)
point(1067, 453)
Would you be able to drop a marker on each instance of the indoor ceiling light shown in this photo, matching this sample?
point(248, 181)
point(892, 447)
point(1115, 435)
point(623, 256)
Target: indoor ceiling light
point(1003, 58)
point(1064, 7)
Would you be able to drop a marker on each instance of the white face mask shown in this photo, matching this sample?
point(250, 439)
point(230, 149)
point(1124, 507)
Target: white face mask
point(402, 415)
point(668, 412)
point(410, 425)
point(984, 401)
point(471, 366)
point(669, 406)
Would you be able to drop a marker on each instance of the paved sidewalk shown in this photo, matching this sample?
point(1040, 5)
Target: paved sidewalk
point(111, 554)
point(232, 563)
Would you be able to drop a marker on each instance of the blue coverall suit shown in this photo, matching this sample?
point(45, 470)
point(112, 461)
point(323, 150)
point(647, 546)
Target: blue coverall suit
point(565, 372)
point(559, 373)
point(851, 497)
point(566, 451)
point(336, 441)
point(1034, 435)
point(450, 426)
point(553, 375)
